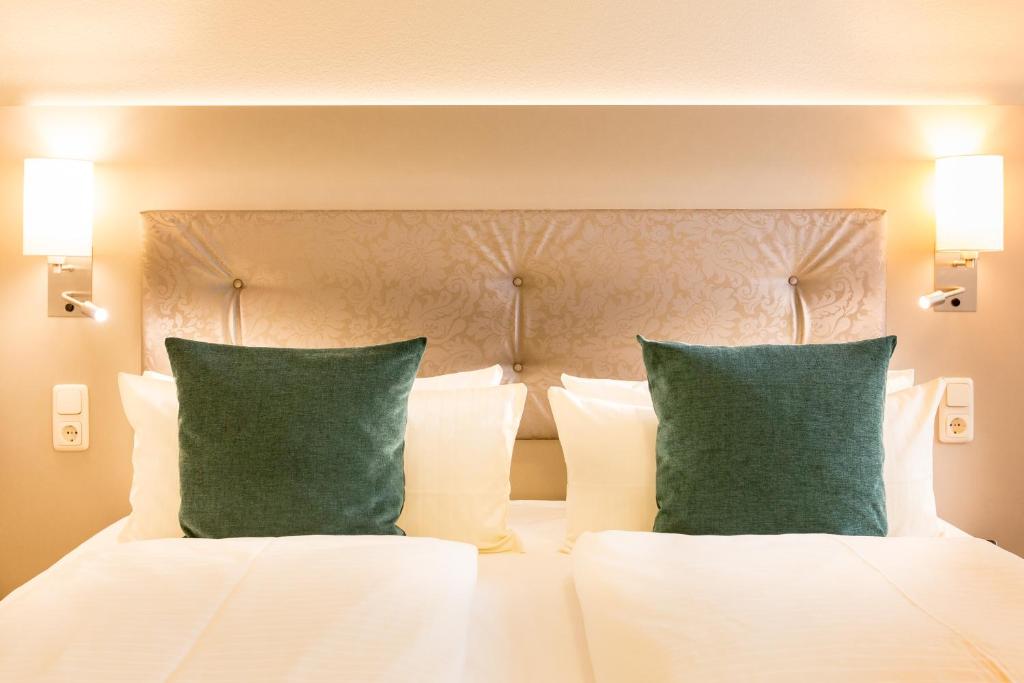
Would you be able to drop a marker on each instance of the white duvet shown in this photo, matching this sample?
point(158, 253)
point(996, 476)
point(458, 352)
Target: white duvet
point(665, 607)
point(341, 608)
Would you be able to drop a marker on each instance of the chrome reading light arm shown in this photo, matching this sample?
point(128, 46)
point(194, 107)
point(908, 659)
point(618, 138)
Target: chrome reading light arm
point(940, 296)
point(81, 301)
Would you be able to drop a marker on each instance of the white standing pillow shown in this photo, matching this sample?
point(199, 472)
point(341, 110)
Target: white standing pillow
point(632, 392)
point(458, 453)
point(610, 444)
point(153, 374)
point(898, 380)
point(484, 377)
point(609, 459)
point(151, 406)
point(909, 439)
point(150, 403)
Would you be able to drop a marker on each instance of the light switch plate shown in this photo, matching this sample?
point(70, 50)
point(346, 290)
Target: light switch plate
point(67, 401)
point(956, 411)
point(958, 395)
point(70, 417)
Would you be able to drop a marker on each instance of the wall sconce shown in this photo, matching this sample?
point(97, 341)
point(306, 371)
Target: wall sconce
point(968, 220)
point(57, 223)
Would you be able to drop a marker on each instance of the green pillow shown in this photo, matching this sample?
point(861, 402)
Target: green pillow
point(770, 439)
point(287, 442)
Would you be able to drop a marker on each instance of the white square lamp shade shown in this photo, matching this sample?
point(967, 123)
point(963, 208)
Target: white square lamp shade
point(58, 207)
point(969, 203)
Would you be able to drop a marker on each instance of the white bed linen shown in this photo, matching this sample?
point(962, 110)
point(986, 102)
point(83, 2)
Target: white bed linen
point(341, 608)
point(664, 607)
point(525, 623)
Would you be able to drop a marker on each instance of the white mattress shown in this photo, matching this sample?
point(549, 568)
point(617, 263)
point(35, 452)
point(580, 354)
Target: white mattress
point(525, 622)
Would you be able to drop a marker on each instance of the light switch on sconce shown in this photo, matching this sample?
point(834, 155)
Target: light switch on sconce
point(57, 224)
point(968, 220)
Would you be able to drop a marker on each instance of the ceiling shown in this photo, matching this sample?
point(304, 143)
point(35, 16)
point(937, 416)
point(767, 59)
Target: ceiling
point(88, 52)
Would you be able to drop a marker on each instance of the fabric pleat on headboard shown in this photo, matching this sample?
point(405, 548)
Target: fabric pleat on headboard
point(540, 292)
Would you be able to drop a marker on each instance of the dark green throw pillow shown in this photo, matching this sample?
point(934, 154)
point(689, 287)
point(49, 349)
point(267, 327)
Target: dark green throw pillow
point(770, 439)
point(287, 442)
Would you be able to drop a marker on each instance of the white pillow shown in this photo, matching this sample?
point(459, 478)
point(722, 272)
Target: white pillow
point(637, 393)
point(898, 380)
point(484, 377)
point(153, 374)
point(151, 406)
point(610, 449)
point(633, 392)
point(458, 453)
point(150, 403)
point(609, 459)
point(909, 437)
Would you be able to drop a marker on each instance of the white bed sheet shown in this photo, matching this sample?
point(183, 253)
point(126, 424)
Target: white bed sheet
point(359, 608)
point(665, 607)
point(525, 623)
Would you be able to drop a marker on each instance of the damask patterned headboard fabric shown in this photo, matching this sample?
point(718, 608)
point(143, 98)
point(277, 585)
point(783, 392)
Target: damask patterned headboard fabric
point(540, 292)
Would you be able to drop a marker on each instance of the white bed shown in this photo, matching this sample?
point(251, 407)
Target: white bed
point(439, 612)
point(803, 607)
point(527, 624)
point(524, 620)
point(329, 608)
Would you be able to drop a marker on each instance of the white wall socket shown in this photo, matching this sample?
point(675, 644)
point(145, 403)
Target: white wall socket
point(70, 417)
point(956, 411)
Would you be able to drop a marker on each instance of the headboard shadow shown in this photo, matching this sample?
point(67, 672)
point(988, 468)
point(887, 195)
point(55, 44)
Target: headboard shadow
point(540, 292)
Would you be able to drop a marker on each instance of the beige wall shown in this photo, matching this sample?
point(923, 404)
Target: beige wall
point(499, 157)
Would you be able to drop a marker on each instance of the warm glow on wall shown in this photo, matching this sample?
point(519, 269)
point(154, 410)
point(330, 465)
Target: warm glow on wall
point(949, 137)
point(969, 203)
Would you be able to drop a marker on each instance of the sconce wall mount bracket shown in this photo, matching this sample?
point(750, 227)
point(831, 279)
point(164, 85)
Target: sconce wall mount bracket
point(956, 269)
point(70, 274)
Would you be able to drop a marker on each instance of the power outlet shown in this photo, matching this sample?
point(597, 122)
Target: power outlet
point(956, 411)
point(71, 433)
point(957, 425)
point(70, 417)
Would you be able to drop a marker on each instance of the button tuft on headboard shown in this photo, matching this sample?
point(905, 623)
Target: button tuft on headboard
point(597, 277)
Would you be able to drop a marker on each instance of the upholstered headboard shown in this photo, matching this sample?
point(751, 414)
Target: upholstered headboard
point(540, 292)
